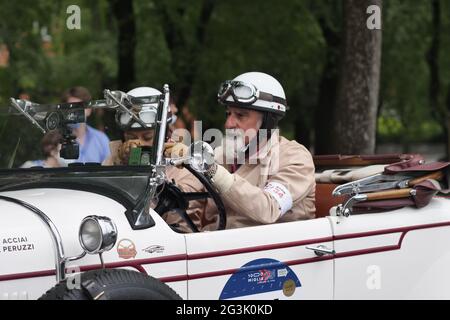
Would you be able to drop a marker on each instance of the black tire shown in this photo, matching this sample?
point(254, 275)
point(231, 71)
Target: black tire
point(113, 284)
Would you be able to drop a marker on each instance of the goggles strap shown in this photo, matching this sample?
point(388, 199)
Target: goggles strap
point(271, 98)
point(262, 95)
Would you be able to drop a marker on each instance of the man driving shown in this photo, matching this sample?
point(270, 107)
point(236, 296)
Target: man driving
point(261, 176)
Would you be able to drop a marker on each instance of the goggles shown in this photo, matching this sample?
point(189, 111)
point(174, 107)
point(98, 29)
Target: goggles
point(245, 93)
point(145, 114)
point(145, 108)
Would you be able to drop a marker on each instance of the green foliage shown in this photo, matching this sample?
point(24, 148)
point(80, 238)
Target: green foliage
point(285, 39)
point(84, 57)
point(287, 45)
point(391, 128)
point(444, 56)
point(405, 72)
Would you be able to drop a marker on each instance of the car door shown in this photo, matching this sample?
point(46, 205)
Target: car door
point(400, 254)
point(262, 262)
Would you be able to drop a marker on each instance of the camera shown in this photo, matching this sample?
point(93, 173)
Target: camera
point(69, 150)
point(140, 156)
point(62, 119)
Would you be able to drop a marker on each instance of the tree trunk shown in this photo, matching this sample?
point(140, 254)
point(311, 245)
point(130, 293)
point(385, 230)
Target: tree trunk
point(302, 131)
point(433, 58)
point(438, 111)
point(124, 14)
point(448, 124)
point(354, 127)
point(327, 91)
point(185, 53)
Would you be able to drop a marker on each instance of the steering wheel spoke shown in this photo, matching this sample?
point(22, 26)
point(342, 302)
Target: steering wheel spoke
point(172, 199)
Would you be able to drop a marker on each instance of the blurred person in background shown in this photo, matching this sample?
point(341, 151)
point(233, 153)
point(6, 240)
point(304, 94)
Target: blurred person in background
point(94, 144)
point(50, 147)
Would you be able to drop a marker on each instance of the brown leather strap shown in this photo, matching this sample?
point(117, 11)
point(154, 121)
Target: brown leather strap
point(438, 175)
point(390, 194)
point(338, 160)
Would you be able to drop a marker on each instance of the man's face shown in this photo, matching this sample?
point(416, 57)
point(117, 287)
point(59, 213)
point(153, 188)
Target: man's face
point(244, 119)
point(144, 136)
point(87, 112)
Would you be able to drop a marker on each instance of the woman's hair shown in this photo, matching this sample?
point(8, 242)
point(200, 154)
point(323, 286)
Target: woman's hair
point(77, 92)
point(50, 142)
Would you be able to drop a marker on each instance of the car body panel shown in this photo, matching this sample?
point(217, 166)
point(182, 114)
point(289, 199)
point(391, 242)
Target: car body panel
point(400, 254)
point(218, 257)
point(67, 208)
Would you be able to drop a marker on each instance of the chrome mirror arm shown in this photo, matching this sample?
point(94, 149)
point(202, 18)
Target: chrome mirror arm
point(74, 258)
point(346, 209)
point(26, 114)
point(108, 94)
point(178, 161)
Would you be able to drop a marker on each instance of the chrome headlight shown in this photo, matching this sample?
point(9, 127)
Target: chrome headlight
point(97, 234)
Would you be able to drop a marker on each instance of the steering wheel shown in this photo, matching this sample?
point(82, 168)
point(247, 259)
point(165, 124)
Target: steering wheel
point(171, 198)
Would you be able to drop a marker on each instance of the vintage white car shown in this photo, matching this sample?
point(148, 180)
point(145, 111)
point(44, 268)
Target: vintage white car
point(87, 232)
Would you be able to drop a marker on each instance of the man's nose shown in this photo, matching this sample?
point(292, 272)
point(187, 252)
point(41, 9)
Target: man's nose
point(231, 122)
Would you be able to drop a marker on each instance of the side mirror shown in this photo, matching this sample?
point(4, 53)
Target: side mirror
point(200, 159)
point(202, 156)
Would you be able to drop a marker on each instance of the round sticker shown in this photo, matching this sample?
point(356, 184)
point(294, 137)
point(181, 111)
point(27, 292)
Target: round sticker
point(126, 249)
point(289, 287)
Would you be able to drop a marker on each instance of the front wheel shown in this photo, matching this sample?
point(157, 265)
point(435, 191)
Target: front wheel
point(113, 284)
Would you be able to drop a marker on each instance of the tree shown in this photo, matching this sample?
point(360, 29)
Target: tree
point(123, 11)
point(185, 43)
point(329, 16)
point(439, 111)
point(354, 127)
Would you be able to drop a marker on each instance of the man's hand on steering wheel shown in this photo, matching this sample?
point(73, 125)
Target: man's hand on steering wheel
point(176, 200)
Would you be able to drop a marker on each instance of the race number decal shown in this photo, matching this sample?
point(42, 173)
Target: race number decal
point(281, 194)
point(261, 276)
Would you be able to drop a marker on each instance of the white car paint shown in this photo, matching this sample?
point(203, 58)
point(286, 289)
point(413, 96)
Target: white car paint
point(402, 254)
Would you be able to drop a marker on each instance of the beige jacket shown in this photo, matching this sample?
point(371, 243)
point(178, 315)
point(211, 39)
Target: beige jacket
point(277, 185)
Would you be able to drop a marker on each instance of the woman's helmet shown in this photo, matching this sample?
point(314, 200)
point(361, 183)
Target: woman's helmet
point(144, 103)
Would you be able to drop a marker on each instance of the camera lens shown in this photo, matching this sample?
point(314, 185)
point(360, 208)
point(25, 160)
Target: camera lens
point(70, 151)
point(52, 121)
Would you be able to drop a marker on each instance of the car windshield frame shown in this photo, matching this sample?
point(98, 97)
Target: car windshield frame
point(95, 177)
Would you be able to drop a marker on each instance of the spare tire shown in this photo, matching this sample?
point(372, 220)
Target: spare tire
point(113, 284)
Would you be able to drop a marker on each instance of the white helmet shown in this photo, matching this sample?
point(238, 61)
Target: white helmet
point(145, 106)
point(144, 92)
point(254, 90)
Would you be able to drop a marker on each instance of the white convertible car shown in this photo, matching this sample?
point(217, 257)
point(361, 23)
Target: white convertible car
point(87, 232)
